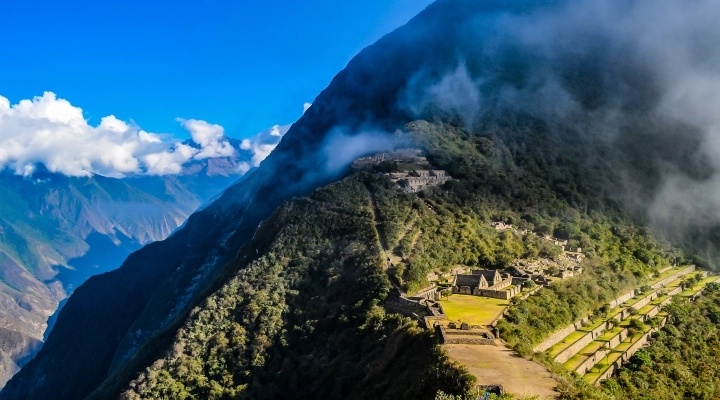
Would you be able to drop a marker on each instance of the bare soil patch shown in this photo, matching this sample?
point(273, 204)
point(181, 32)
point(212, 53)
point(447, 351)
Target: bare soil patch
point(500, 365)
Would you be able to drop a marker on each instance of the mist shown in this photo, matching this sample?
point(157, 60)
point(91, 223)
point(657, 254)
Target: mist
point(640, 78)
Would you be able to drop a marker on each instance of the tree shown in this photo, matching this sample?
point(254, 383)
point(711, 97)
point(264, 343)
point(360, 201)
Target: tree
point(606, 348)
point(640, 359)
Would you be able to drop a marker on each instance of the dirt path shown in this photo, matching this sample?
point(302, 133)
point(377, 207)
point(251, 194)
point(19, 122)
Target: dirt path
point(500, 365)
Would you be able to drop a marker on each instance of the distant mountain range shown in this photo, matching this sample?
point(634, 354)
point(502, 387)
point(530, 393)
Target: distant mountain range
point(57, 231)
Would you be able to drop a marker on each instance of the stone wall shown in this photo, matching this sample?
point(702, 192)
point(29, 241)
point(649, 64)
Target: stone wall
point(449, 331)
point(429, 293)
point(700, 292)
point(470, 340)
point(645, 300)
point(443, 335)
point(580, 343)
point(501, 285)
point(464, 337)
point(672, 277)
point(500, 294)
point(583, 368)
point(501, 316)
point(617, 339)
point(558, 336)
point(627, 354)
point(627, 296)
point(531, 292)
point(675, 291)
point(429, 320)
point(608, 372)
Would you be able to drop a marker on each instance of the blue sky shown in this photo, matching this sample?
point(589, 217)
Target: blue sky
point(245, 65)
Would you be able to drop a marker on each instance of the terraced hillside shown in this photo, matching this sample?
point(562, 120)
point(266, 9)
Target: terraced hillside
point(601, 346)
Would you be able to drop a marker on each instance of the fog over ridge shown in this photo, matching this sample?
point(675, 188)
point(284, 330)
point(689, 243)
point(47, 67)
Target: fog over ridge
point(640, 77)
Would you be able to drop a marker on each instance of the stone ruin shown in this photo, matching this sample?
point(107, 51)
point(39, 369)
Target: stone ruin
point(483, 282)
point(415, 181)
point(409, 155)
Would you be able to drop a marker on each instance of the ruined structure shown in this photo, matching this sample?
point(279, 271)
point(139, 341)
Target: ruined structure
point(409, 155)
point(416, 181)
point(488, 283)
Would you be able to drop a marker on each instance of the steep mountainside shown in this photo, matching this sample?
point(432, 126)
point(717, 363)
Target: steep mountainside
point(222, 309)
point(57, 231)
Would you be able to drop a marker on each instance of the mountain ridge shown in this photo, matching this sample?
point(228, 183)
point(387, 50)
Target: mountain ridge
point(511, 164)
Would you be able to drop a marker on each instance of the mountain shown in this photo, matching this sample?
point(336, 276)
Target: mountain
point(57, 231)
point(279, 288)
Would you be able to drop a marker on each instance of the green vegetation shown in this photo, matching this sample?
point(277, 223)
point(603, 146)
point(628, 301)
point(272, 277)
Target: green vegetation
point(473, 309)
point(683, 360)
point(303, 317)
point(306, 310)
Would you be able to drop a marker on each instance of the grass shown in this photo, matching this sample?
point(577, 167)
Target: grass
point(615, 312)
point(695, 289)
point(637, 299)
point(601, 367)
point(474, 310)
point(607, 335)
point(565, 343)
point(592, 326)
point(667, 273)
point(645, 310)
point(583, 355)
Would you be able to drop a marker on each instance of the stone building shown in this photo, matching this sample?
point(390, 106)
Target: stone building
point(419, 179)
point(482, 282)
point(409, 155)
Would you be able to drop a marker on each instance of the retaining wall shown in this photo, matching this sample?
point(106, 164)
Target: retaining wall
point(428, 320)
point(608, 372)
point(675, 291)
point(672, 277)
point(645, 301)
point(628, 353)
point(429, 293)
point(480, 341)
point(469, 337)
point(580, 343)
point(627, 296)
point(443, 335)
point(558, 336)
point(449, 331)
point(583, 368)
point(531, 292)
point(700, 292)
point(600, 354)
point(499, 317)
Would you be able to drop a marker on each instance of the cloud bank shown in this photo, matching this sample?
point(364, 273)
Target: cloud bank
point(51, 131)
point(640, 78)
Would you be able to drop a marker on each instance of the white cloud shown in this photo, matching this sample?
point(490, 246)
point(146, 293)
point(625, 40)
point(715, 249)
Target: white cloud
point(50, 131)
point(262, 144)
point(210, 137)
